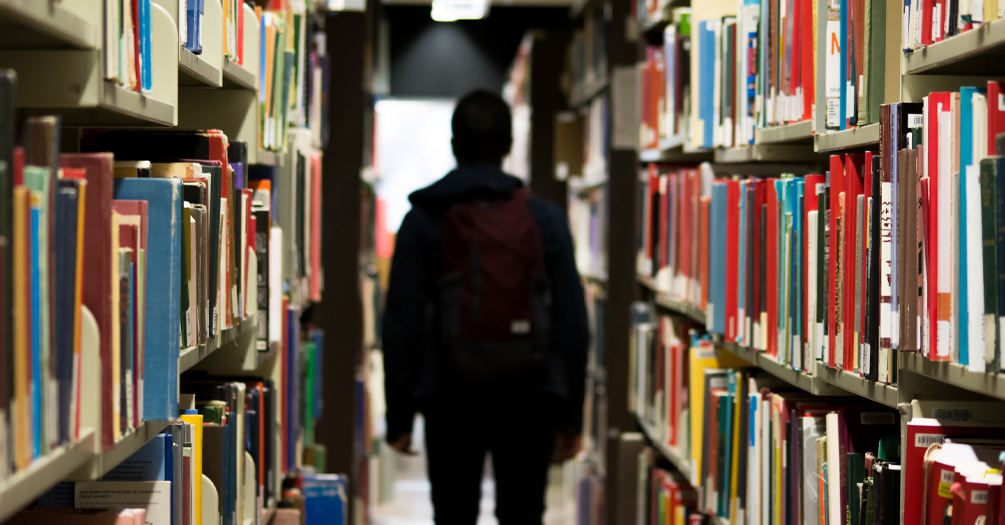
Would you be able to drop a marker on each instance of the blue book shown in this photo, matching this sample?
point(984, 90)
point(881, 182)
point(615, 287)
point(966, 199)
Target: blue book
point(67, 206)
point(38, 180)
point(706, 32)
point(146, 48)
point(152, 462)
point(325, 499)
point(717, 258)
point(35, 391)
point(194, 15)
point(966, 159)
point(784, 189)
point(163, 300)
point(319, 336)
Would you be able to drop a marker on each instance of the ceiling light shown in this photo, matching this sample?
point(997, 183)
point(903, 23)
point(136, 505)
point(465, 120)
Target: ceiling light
point(453, 10)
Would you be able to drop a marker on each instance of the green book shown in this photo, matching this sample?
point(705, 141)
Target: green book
point(989, 232)
point(888, 449)
point(856, 473)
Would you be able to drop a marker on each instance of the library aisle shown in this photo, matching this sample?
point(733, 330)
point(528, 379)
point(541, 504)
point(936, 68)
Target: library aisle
point(411, 505)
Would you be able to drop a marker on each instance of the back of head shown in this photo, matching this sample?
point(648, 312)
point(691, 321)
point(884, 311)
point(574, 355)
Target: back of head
point(483, 129)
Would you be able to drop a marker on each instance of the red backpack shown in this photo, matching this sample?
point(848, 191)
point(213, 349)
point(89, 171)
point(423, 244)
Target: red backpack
point(494, 301)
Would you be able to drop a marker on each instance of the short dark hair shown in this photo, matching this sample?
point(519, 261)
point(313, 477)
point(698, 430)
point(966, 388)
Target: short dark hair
point(482, 126)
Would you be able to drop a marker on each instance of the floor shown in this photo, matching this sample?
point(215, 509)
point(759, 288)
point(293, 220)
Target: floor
point(411, 505)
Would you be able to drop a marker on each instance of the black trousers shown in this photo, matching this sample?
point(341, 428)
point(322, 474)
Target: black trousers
point(519, 432)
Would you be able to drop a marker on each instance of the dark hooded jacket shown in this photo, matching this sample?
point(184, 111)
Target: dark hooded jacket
point(413, 374)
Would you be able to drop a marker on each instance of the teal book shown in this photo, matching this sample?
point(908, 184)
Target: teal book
point(37, 180)
point(163, 296)
point(798, 232)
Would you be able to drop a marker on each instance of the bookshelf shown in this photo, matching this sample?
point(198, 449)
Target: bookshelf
point(854, 139)
point(976, 52)
point(780, 146)
point(44, 24)
point(58, 52)
point(24, 486)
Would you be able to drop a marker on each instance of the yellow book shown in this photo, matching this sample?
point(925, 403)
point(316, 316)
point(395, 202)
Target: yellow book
point(22, 350)
point(702, 357)
point(78, 287)
point(193, 417)
point(738, 405)
point(116, 331)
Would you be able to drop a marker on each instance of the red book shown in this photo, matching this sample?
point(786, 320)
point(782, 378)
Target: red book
point(810, 183)
point(732, 246)
point(136, 46)
point(133, 234)
point(760, 198)
point(806, 69)
point(771, 260)
point(836, 189)
point(240, 33)
point(922, 433)
point(675, 388)
point(935, 104)
point(996, 113)
point(97, 292)
point(854, 181)
point(682, 214)
point(927, 8)
point(662, 248)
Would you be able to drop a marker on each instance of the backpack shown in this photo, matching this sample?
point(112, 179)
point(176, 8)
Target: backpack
point(494, 297)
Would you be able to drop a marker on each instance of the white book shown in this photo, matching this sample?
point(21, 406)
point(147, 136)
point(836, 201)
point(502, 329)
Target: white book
point(154, 496)
point(111, 56)
point(835, 513)
point(979, 126)
point(945, 212)
point(975, 272)
point(766, 450)
point(813, 427)
point(956, 237)
point(833, 66)
point(811, 282)
point(754, 458)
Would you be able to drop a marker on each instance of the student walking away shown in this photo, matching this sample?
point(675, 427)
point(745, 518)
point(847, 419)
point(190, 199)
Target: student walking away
point(485, 328)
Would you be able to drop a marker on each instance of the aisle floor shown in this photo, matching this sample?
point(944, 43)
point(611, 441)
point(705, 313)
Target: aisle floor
point(411, 505)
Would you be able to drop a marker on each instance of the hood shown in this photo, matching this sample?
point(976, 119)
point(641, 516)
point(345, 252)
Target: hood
point(467, 183)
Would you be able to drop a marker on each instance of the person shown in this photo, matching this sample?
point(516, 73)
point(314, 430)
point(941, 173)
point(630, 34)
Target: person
point(516, 393)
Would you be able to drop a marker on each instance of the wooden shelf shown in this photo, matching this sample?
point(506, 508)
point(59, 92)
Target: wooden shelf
point(865, 137)
point(795, 132)
point(990, 384)
point(979, 51)
point(881, 393)
point(41, 24)
point(25, 486)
